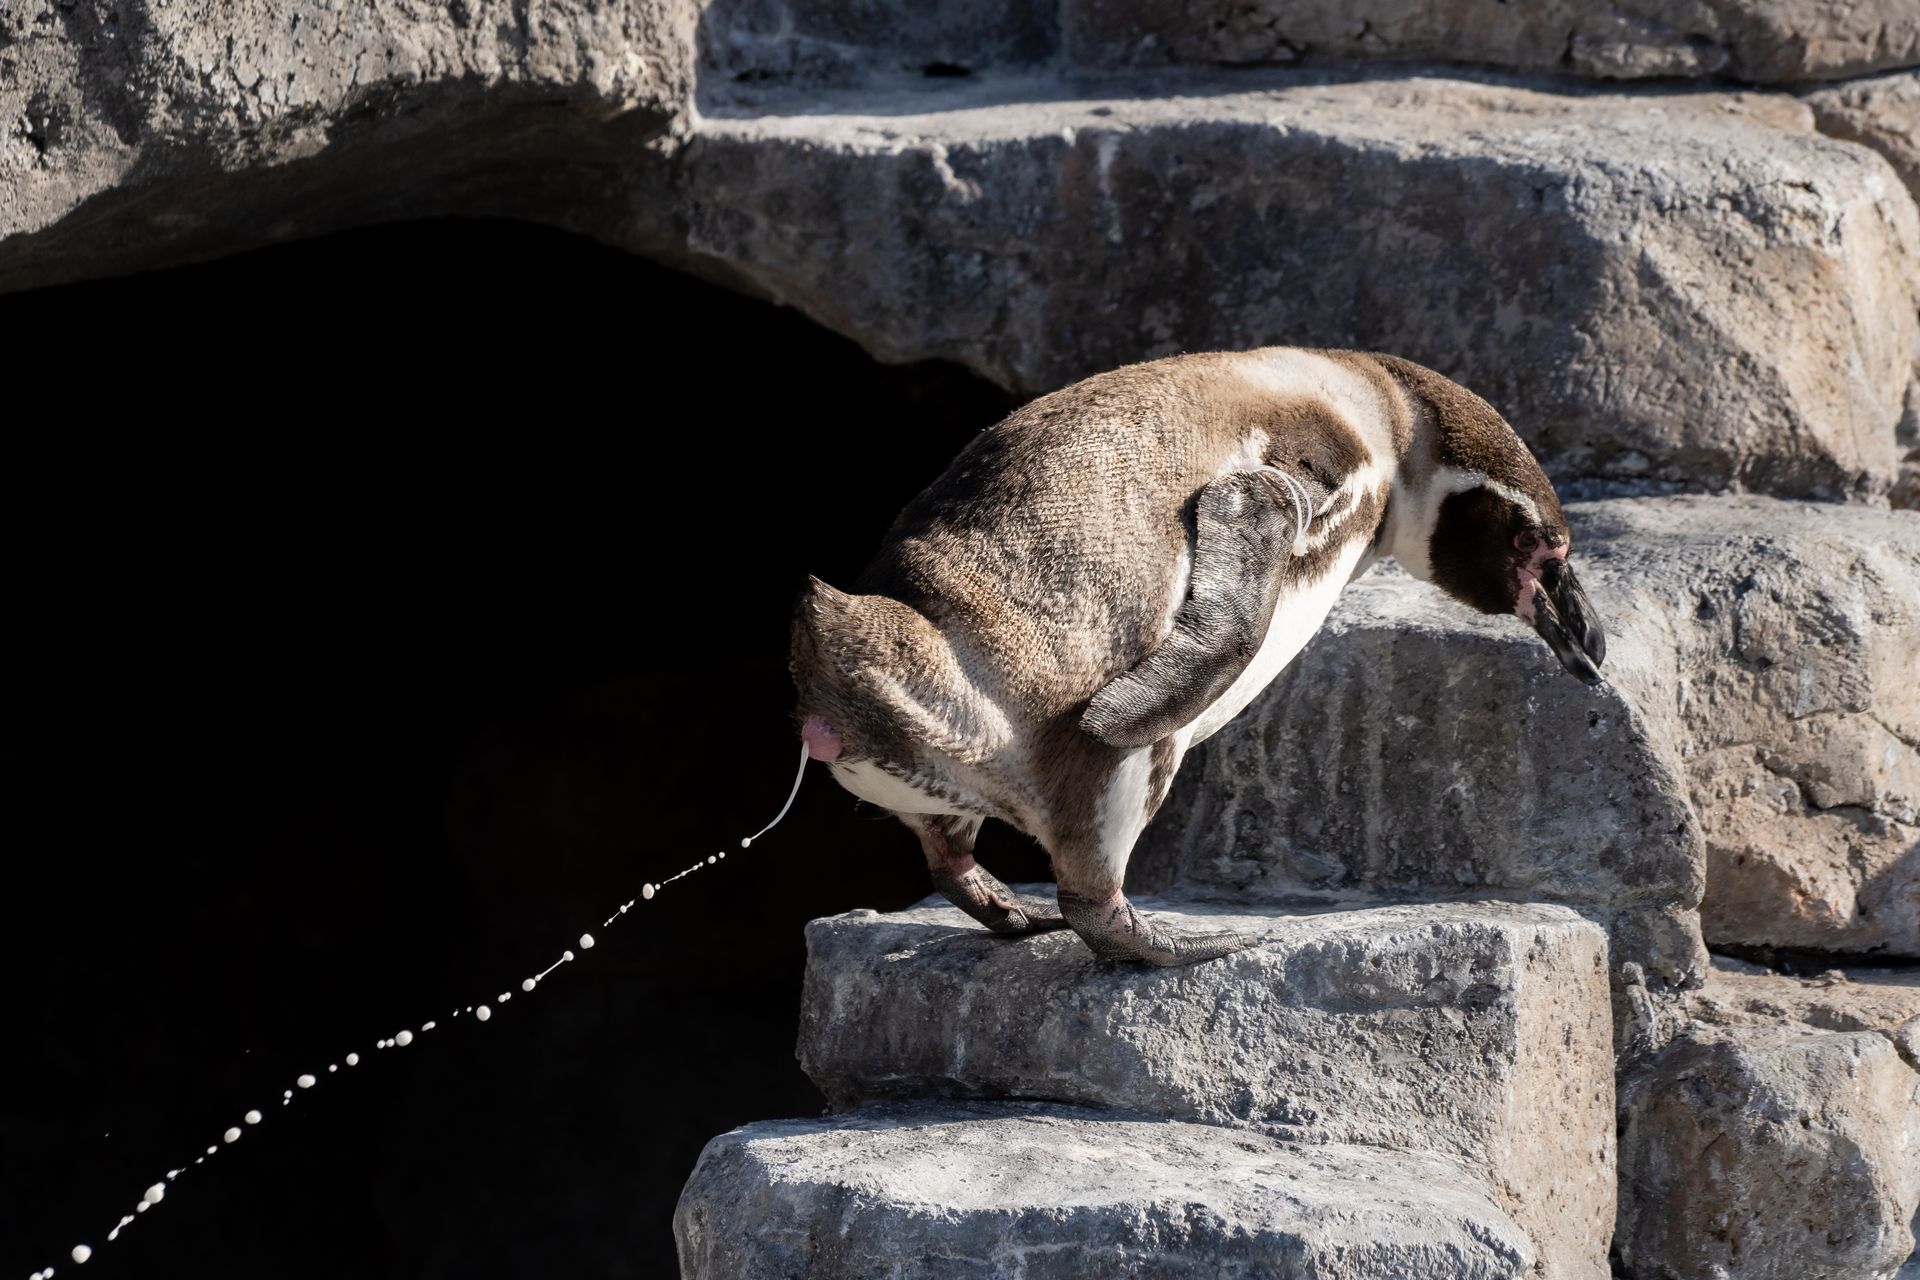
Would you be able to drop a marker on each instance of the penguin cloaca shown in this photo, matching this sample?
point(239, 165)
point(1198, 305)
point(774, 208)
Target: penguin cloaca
point(1111, 573)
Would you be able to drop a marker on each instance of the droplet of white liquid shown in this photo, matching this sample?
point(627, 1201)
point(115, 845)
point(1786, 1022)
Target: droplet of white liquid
point(404, 1039)
point(210, 1151)
point(646, 891)
point(483, 1013)
point(231, 1135)
point(156, 1193)
point(353, 1059)
point(428, 1026)
point(286, 1093)
point(332, 1067)
point(527, 985)
point(567, 955)
point(746, 842)
point(252, 1117)
point(81, 1253)
point(306, 1081)
point(712, 858)
point(141, 1207)
point(505, 996)
point(586, 941)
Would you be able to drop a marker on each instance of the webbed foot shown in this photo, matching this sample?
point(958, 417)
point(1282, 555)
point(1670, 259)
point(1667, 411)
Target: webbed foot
point(979, 893)
point(1116, 931)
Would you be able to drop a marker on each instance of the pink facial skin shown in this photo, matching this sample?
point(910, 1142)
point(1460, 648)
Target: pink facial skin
point(1530, 571)
point(822, 742)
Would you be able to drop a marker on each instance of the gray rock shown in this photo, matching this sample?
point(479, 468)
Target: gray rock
point(1759, 739)
point(1757, 41)
point(1882, 112)
point(1742, 996)
point(141, 133)
point(1566, 256)
point(1760, 1145)
point(1477, 1031)
point(1789, 630)
point(937, 1192)
point(845, 41)
point(1680, 290)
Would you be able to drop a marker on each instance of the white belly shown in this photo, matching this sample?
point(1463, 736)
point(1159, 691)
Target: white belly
point(876, 786)
point(1296, 618)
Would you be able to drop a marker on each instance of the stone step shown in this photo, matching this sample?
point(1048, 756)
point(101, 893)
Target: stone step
point(1782, 42)
point(987, 1190)
point(1759, 738)
point(1477, 1031)
point(1779, 1135)
point(1562, 254)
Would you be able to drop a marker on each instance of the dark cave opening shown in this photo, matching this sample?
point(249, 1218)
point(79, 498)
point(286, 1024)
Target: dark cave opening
point(385, 609)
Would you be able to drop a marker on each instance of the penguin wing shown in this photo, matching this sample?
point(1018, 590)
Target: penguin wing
point(1243, 531)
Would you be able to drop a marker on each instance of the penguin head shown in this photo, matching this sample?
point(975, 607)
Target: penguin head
point(1500, 543)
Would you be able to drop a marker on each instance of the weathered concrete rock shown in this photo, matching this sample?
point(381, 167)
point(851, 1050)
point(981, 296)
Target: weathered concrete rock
point(1792, 692)
point(1569, 257)
point(140, 133)
point(846, 41)
point(1761, 1147)
point(1681, 290)
point(1761, 724)
point(1052, 1193)
point(1882, 112)
point(1479, 1031)
point(1757, 41)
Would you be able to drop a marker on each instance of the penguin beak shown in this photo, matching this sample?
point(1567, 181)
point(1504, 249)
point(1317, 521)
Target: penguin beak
point(1565, 620)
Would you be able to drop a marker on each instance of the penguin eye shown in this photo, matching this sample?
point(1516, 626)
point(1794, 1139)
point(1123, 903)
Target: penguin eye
point(1528, 542)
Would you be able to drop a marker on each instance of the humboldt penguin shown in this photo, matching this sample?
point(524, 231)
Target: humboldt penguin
point(1111, 573)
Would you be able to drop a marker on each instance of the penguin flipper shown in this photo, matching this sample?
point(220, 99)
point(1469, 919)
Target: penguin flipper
point(1243, 531)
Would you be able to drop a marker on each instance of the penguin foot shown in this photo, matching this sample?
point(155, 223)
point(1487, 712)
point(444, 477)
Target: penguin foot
point(980, 893)
point(1116, 931)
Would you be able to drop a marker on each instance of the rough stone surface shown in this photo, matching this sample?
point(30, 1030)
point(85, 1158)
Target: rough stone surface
point(139, 133)
point(1761, 726)
point(1757, 41)
point(1669, 291)
point(1737, 994)
point(1692, 290)
point(1779, 1138)
point(935, 1192)
point(1790, 629)
point(1479, 1031)
point(1882, 112)
point(846, 41)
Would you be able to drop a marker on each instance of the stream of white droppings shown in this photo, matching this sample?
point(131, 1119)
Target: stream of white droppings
point(156, 1193)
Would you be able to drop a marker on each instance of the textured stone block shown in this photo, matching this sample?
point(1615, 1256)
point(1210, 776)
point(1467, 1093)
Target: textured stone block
point(1478, 1031)
point(1765, 1144)
point(1883, 112)
point(1565, 256)
point(1059, 1193)
point(1757, 41)
point(1760, 737)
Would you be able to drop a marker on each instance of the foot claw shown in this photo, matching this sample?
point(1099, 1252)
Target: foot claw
point(1116, 931)
point(980, 894)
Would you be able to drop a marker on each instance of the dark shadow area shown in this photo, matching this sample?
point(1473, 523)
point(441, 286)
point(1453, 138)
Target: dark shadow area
point(383, 611)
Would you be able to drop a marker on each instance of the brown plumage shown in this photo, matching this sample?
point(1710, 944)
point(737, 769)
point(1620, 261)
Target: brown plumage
point(1104, 577)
